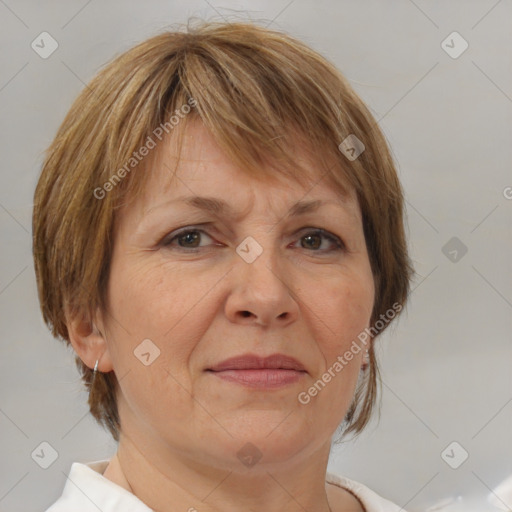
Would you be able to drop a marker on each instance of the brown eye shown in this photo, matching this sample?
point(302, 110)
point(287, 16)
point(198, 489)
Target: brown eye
point(189, 239)
point(186, 239)
point(313, 240)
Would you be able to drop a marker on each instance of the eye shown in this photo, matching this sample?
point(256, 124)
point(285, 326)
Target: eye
point(186, 239)
point(190, 238)
point(313, 240)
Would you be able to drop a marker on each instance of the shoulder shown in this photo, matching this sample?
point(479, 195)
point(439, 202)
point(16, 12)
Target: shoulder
point(370, 500)
point(87, 490)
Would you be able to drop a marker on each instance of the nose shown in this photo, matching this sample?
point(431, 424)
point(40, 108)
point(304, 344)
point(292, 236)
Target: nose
point(261, 292)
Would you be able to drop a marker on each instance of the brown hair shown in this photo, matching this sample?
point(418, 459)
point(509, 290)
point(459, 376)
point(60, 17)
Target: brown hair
point(257, 91)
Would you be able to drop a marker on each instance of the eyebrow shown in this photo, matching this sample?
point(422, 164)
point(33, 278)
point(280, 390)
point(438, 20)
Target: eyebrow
point(220, 207)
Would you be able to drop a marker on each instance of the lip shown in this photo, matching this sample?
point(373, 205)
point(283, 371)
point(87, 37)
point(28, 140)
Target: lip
point(255, 362)
point(251, 370)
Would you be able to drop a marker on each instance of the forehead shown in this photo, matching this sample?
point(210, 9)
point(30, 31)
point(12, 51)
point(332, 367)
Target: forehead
point(205, 177)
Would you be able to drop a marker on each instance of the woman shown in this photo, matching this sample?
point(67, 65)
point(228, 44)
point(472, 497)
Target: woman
point(174, 223)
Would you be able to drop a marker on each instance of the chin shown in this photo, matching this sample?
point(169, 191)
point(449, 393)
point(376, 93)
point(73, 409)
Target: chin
point(263, 438)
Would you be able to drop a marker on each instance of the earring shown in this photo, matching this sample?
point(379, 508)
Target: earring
point(366, 360)
point(94, 372)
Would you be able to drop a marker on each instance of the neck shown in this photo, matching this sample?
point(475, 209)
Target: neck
point(176, 483)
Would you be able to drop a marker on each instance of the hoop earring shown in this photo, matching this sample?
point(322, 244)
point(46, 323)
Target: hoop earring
point(94, 372)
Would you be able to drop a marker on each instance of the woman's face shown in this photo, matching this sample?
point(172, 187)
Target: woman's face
point(191, 287)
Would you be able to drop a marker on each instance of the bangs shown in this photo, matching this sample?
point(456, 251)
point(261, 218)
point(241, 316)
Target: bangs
point(253, 100)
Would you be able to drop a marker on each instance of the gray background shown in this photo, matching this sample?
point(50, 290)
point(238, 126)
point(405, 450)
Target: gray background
point(446, 365)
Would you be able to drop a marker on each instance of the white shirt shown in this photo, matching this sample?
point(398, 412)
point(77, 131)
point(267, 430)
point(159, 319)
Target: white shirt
point(87, 490)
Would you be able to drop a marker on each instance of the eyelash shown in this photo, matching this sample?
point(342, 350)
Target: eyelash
point(340, 246)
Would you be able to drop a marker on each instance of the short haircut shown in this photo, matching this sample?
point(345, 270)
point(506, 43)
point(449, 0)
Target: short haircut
point(258, 92)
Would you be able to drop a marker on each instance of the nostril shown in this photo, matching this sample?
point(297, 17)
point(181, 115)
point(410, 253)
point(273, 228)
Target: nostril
point(245, 314)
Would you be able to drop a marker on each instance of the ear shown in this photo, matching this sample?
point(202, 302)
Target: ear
point(87, 336)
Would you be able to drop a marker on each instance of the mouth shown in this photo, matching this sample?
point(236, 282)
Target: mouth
point(253, 371)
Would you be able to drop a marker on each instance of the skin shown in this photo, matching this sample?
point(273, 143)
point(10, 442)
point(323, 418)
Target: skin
point(303, 296)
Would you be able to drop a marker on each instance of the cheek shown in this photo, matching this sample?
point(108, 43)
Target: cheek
point(154, 320)
point(343, 310)
point(150, 299)
point(162, 304)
